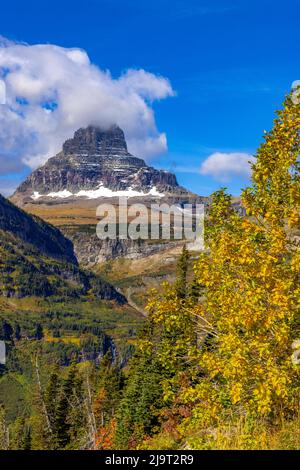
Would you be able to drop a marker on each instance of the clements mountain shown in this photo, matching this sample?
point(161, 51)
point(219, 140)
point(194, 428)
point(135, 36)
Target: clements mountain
point(96, 163)
point(94, 167)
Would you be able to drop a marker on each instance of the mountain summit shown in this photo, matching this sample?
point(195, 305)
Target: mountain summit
point(96, 141)
point(96, 163)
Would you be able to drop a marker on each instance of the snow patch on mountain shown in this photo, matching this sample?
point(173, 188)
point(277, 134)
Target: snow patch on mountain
point(101, 191)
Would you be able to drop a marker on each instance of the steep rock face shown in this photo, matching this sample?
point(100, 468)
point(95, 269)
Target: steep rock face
point(96, 141)
point(95, 157)
point(92, 251)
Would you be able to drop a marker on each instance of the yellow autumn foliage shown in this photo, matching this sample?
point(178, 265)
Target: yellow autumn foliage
point(236, 342)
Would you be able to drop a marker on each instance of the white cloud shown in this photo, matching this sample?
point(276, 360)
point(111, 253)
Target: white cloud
point(2, 92)
point(225, 166)
point(140, 81)
point(52, 91)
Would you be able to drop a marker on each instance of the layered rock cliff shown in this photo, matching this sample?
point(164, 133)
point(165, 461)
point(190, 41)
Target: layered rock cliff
point(95, 158)
point(90, 250)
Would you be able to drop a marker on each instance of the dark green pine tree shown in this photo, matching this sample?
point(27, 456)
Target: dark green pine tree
point(4, 432)
point(6, 331)
point(62, 425)
point(77, 416)
point(51, 401)
point(20, 434)
point(108, 390)
point(138, 413)
point(195, 291)
point(39, 334)
point(18, 332)
point(27, 438)
point(70, 412)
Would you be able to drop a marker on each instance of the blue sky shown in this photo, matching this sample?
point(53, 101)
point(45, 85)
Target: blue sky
point(230, 63)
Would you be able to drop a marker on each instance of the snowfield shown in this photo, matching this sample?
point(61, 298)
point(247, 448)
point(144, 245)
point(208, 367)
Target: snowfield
point(102, 191)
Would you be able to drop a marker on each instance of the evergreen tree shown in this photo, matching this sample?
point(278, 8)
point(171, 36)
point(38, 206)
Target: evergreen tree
point(108, 390)
point(20, 434)
point(18, 332)
point(51, 401)
point(77, 416)
point(39, 334)
point(70, 415)
point(4, 433)
point(138, 413)
point(27, 441)
point(6, 331)
point(182, 271)
point(62, 426)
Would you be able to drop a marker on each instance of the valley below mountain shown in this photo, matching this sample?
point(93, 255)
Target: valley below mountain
point(51, 310)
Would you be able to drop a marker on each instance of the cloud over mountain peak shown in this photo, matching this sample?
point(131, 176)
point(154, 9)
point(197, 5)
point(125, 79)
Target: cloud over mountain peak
point(51, 91)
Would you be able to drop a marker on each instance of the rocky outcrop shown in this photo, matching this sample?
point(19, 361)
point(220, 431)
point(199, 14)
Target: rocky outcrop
point(90, 250)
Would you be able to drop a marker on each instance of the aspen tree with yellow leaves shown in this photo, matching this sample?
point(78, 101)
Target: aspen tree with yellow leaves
point(240, 366)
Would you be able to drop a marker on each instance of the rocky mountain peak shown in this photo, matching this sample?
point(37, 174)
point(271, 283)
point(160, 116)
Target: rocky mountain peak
point(97, 141)
point(95, 163)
